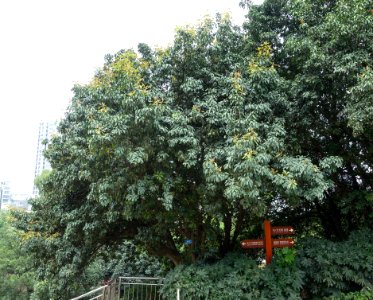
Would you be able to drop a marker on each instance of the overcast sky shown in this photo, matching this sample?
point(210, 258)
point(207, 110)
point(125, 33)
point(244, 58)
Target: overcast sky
point(48, 45)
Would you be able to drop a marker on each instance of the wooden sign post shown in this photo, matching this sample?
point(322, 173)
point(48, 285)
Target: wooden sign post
point(268, 243)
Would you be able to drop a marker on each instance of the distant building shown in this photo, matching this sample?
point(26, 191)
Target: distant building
point(19, 201)
point(46, 130)
point(9, 200)
point(5, 196)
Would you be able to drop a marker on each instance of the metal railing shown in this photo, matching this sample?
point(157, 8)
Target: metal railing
point(139, 288)
point(127, 288)
point(105, 292)
point(96, 293)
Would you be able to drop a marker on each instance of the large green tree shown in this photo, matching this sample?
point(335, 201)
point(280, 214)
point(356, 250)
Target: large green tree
point(323, 49)
point(185, 150)
point(180, 149)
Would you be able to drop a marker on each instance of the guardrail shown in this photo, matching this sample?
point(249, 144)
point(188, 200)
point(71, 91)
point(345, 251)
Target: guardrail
point(140, 288)
point(127, 288)
point(99, 293)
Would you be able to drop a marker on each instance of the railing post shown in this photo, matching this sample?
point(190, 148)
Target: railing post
point(104, 293)
point(119, 284)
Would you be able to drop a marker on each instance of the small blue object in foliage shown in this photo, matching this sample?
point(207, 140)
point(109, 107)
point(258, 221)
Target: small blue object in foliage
point(188, 242)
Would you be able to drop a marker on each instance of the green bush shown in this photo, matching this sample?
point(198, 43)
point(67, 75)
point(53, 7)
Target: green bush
point(364, 294)
point(234, 277)
point(333, 268)
point(318, 269)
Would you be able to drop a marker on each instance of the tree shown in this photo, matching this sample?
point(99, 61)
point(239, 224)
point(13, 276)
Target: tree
point(180, 150)
point(185, 150)
point(17, 276)
point(323, 50)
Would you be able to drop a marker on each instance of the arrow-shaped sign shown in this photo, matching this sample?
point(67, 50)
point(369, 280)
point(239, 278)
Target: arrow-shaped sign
point(247, 244)
point(282, 230)
point(282, 243)
point(276, 243)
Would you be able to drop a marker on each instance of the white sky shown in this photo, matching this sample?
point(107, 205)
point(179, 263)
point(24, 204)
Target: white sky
point(48, 45)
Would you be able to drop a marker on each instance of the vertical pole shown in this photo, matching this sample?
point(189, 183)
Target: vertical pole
point(104, 293)
point(178, 294)
point(268, 241)
point(119, 284)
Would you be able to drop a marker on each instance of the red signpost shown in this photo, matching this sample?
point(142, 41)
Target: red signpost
point(268, 243)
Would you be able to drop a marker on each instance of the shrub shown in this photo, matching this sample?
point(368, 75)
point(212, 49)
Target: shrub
point(234, 277)
point(333, 268)
point(364, 294)
point(317, 269)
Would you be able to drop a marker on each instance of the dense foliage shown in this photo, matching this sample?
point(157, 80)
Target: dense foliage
point(333, 268)
point(127, 260)
point(130, 260)
point(324, 51)
point(16, 272)
point(321, 269)
point(234, 277)
point(184, 150)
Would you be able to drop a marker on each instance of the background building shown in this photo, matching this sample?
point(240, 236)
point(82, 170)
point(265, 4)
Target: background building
point(5, 196)
point(46, 130)
point(10, 200)
point(19, 201)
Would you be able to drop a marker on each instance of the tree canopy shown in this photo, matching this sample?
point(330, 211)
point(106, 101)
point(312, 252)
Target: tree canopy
point(324, 51)
point(16, 272)
point(184, 150)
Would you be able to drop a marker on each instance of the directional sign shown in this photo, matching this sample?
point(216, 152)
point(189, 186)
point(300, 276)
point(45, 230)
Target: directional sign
point(282, 243)
point(247, 244)
point(282, 230)
point(267, 242)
